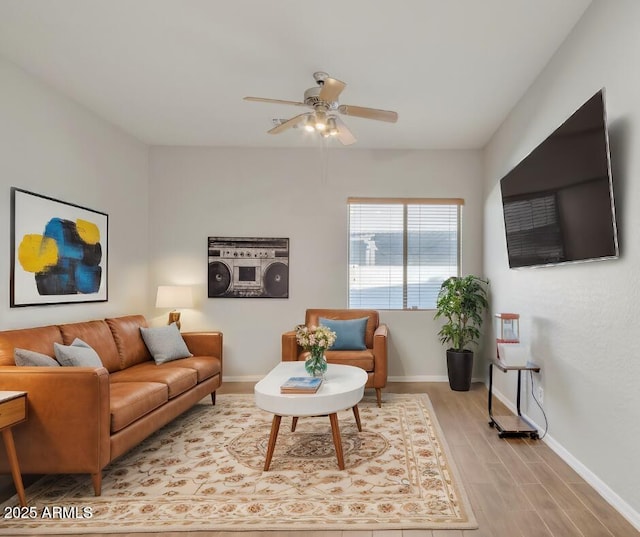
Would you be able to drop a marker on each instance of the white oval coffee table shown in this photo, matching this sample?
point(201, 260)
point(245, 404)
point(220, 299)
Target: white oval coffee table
point(342, 388)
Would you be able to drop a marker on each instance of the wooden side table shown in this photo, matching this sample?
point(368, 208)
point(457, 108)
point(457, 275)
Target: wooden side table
point(13, 410)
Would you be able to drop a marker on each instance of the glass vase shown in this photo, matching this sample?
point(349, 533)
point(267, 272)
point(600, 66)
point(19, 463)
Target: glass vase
point(316, 364)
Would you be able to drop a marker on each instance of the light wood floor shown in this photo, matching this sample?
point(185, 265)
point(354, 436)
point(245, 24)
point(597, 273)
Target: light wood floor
point(517, 487)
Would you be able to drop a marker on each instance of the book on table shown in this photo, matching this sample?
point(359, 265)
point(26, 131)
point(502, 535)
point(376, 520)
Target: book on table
point(301, 385)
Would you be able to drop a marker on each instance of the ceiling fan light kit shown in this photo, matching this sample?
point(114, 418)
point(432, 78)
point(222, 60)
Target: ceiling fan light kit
point(310, 124)
point(321, 119)
point(324, 100)
point(332, 127)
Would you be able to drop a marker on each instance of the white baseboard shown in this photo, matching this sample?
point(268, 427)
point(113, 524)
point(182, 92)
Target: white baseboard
point(248, 378)
point(415, 378)
point(418, 378)
point(592, 479)
point(427, 378)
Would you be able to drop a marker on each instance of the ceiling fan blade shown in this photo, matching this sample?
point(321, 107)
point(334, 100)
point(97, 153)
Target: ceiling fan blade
point(345, 136)
point(287, 124)
point(331, 90)
point(274, 101)
point(368, 113)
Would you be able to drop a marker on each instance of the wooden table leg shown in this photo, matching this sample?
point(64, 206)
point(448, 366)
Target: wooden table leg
point(337, 442)
point(12, 456)
point(356, 415)
point(294, 422)
point(275, 427)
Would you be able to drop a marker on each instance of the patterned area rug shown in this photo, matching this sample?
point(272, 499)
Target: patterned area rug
point(203, 472)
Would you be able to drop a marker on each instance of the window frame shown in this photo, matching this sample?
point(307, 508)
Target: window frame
point(405, 202)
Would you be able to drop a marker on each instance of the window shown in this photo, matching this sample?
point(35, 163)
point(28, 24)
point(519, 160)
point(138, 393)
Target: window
point(401, 250)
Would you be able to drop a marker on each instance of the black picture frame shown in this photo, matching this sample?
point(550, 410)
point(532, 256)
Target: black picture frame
point(59, 251)
point(248, 267)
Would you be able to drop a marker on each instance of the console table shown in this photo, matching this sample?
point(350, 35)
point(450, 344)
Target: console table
point(13, 410)
point(511, 425)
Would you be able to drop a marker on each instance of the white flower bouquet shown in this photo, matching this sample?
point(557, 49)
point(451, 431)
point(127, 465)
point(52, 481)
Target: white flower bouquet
point(315, 340)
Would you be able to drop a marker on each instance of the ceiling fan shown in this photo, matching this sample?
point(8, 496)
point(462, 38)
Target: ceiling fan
point(323, 99)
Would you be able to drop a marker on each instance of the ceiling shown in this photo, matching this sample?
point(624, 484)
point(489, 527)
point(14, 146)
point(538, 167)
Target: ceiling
point(174, 72)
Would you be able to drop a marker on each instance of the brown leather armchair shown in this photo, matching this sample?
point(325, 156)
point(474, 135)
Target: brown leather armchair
point(373, 359)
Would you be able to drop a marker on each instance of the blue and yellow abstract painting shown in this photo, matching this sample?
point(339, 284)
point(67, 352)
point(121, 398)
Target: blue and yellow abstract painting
point(65, 258)
point(62, 262)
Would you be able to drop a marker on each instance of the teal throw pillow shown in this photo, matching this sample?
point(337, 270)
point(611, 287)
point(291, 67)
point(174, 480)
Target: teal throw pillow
point(25, 357)
point(165, 343)
point(349, 333)
point(78, 354)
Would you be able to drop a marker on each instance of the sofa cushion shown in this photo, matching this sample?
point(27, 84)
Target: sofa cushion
point(361, 359)
point(165, 343)
point(129, 342)
point(177, 379)
point(78, 354)
point(349, 333)
point(98, 336)
point(205, 366)
point(40, 339)
point(132, 400)
point(24, 357)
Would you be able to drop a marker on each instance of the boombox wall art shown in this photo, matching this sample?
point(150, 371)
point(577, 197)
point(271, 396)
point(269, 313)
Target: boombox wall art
point(241, 267)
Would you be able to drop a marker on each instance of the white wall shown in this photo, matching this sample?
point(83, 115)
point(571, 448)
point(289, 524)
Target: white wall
point(581, 320)
point(51, 146)
point(299, 194)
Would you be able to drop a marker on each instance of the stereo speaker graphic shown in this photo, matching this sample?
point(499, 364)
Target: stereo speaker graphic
point(248, 268)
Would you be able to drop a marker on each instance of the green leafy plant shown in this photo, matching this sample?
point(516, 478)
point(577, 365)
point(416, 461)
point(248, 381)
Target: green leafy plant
point(461, 301)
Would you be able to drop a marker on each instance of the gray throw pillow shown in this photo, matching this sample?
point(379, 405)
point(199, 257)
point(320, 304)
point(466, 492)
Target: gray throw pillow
point(165, 343)
point(78, 354)
point(24, 357)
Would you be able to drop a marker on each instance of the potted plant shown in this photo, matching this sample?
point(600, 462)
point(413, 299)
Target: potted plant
point(461, 301)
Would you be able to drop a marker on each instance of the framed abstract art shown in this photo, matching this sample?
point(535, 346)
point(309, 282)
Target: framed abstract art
point(59, 251)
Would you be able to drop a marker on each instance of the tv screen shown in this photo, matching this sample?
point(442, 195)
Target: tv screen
point(558, 201)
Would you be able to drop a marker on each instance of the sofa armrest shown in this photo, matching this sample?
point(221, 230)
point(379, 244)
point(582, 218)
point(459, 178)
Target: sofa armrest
point(68, 419)
point(204, 343)
point(290, 348)
point(380, 337)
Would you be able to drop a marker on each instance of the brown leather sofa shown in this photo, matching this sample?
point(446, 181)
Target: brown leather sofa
point(82, 418)
point(373, 359)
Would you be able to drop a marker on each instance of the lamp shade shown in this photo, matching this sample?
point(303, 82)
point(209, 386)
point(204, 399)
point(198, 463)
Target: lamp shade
point(174, 296)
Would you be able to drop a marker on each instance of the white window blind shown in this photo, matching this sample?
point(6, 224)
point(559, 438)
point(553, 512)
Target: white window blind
point(401, 250)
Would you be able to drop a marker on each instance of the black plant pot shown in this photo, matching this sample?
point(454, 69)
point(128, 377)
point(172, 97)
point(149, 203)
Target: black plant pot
point(460, 368)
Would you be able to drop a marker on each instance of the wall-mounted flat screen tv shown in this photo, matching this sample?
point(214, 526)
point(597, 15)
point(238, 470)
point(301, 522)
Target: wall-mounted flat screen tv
point(558, 201)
